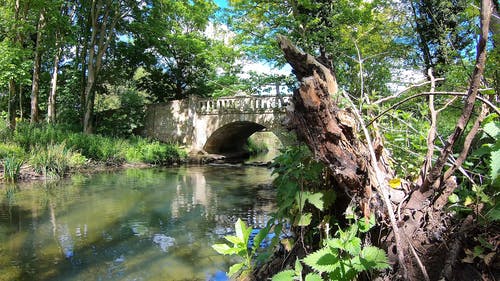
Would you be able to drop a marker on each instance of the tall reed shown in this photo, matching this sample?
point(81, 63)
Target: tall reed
point(12, 168)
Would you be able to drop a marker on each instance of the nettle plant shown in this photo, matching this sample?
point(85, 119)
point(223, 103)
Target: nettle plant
point(342, 257)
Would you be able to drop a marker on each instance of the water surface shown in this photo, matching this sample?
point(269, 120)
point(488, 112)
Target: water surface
point(136, 224)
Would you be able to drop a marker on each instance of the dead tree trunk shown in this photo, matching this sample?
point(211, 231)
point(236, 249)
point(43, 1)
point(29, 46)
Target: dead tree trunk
point(360, 170)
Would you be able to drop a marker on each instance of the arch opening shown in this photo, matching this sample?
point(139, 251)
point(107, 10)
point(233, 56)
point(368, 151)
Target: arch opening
point(230, 139)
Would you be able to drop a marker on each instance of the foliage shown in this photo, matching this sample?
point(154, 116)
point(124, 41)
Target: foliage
point(444, 31)
point(60, 146)
point(256, 147)
point(243, 247)
point(11, 149)
point(12, 167)
point(53, 160)
point(342, 257)
point(123, 111)
point(352, 32)
point(485, 161)
point(299, 181)
point(152, 152)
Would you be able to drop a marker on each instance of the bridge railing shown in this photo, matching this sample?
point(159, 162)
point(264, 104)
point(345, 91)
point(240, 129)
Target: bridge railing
point(242, 104)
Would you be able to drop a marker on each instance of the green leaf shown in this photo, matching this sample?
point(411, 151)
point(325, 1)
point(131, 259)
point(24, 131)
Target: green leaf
point(492, 129)
point(298, 267)
point(242, 231)
point(223, 249)
point(316, 199)
point(353, 246)
point(235, 268)
point(233, 239)
point(313, 277)
point(375, 257)
point(364, 227)
point(453, 198)
point(335, 243)
point(495, 167)
point(285, 275)
point(260, 237)
point(304, 219)
point(323, 260)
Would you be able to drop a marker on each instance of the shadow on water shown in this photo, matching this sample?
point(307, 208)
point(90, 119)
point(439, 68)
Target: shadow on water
point(152, 224)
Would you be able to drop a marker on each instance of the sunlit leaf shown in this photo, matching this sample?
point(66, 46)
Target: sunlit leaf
point(233, 239)
point(304, 219)
point(313, 277)
point(353, 246)
point(285, 275)
point(235, 268)
point(298, 267)
point(453, 198)
point(395, 183)
point(376, 257)
point(468, 201)
point(323, 260)
point(223, 249)
point(316, 199)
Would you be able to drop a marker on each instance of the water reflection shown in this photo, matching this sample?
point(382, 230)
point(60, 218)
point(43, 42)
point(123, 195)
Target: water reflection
point(154, 224)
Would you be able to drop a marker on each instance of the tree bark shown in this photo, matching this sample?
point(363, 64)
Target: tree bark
point(103, 20)
point(37, 61)
point(51, 103)
point(11, 107)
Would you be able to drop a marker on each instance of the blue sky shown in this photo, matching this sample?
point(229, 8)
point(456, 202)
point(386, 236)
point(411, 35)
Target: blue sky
point(221, 3)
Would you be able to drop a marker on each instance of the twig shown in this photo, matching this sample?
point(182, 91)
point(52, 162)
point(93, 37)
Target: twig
point(431, 134)
point(405, 90)
point(381, 188)
point(419, 262)
point(487, 102)
point(432, 180)
point(467, 143)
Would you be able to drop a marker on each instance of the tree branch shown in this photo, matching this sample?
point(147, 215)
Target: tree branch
point(432, 179)
point(483, 100)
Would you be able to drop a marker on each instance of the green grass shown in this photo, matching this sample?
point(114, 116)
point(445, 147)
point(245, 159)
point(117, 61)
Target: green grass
point(53, 150)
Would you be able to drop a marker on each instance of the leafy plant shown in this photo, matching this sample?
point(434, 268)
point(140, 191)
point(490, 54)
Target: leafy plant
point(12, 167)
point(299, 181)
point(342, 257)
point(242, 248)
point(53, 160)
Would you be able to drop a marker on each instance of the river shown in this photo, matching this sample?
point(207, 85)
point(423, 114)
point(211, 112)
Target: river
point(134, 224)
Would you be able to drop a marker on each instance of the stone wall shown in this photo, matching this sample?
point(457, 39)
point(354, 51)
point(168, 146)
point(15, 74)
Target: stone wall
point(170, 122)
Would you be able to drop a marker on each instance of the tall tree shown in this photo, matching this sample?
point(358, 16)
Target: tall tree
point(360, 35)
point(37, 63)
point(444, 31)
point(179, 56)
point(102, 18)
point(15, 27)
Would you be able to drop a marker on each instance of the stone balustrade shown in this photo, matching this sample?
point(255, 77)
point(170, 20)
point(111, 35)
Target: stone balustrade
point(242, 104)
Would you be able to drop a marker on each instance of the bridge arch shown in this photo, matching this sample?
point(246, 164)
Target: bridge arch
point(216, 125)
point(232, 137)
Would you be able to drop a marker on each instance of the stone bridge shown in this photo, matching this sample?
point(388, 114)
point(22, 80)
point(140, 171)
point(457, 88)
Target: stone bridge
point(219, 126)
